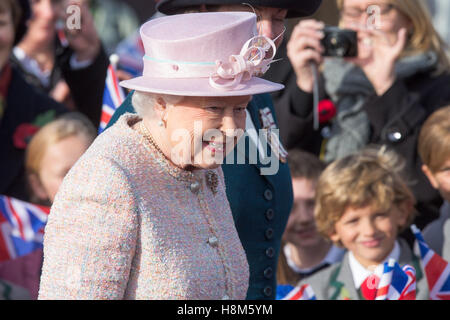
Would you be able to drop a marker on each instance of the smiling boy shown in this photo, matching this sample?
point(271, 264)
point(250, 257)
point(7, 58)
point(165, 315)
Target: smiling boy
point(362, 204)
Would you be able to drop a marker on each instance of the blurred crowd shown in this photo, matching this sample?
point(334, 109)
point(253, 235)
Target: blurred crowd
point(52, 81)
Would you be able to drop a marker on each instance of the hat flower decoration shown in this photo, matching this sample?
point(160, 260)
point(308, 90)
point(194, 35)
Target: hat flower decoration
point(250, 62)
point(205, 54)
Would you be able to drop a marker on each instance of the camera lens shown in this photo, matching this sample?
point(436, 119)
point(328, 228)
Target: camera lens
point(339, 42)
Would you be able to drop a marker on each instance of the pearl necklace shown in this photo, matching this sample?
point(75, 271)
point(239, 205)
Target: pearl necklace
point(149, 137)
point(212, 179)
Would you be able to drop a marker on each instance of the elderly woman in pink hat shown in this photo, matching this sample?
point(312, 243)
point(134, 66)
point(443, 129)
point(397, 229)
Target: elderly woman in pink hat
point(144, 214)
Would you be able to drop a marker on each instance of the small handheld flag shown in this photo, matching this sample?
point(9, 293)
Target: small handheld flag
point(305, 292)
point(397, 283)
point(390, 282)
point(409, 293)
point(437, 270)
point(283, 290)
point(113, 95)
point(21, 227)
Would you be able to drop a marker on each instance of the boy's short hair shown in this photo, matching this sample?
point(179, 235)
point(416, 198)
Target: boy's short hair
point(434, 139)
point(371, 177)
point(305, 165)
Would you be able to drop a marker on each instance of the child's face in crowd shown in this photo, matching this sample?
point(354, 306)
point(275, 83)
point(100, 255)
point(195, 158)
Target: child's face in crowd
point(369, 234)
point(301, 227)
point(440, 180)
point(56, 162)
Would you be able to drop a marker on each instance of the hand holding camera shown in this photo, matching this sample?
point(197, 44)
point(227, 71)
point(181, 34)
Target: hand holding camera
point(377, 56)
point(370, 49)
point(311, 40)
point(303, 48)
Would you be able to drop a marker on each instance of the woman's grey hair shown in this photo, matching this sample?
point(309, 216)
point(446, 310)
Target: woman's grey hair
point(143, 102)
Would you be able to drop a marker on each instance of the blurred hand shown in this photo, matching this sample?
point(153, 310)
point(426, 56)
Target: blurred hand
point(304, 47)
point(377, 57)
point(123, 75)
point(84, 41)
point(60, 92)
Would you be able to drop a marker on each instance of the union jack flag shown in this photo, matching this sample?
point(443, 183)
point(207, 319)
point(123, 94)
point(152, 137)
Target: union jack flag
point(305, 292)
point(390, 282)
point(437, 270)
point(396, 283)
point(21, 227)
point(113, 95)
point(283, 290)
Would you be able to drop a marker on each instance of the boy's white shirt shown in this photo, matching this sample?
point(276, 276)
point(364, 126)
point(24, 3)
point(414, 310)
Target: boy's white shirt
point(359, 273)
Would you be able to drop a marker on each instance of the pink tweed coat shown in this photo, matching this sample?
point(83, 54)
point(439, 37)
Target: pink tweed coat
point(126, 224)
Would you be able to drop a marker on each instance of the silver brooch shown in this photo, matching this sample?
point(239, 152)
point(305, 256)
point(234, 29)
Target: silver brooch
point(212, 180)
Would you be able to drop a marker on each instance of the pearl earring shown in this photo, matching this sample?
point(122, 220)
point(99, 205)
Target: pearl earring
point(160, 123)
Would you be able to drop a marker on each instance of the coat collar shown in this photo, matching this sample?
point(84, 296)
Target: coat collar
point(342, 282)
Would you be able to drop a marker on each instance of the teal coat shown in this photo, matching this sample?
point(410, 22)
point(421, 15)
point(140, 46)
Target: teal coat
point(260, 205)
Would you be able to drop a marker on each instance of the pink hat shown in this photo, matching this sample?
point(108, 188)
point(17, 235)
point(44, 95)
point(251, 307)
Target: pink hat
point(204, 54)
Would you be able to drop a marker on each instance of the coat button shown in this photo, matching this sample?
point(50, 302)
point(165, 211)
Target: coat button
point(394, 135)
point(269, 234)
point(267, 291)
point(268, 273)
point(270, 252)
point(270, 213)
point(195, 187)
point(268, 195)
point(213, 241)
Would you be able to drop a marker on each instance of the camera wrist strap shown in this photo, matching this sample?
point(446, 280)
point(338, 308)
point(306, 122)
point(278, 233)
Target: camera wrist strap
point(315, 73)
